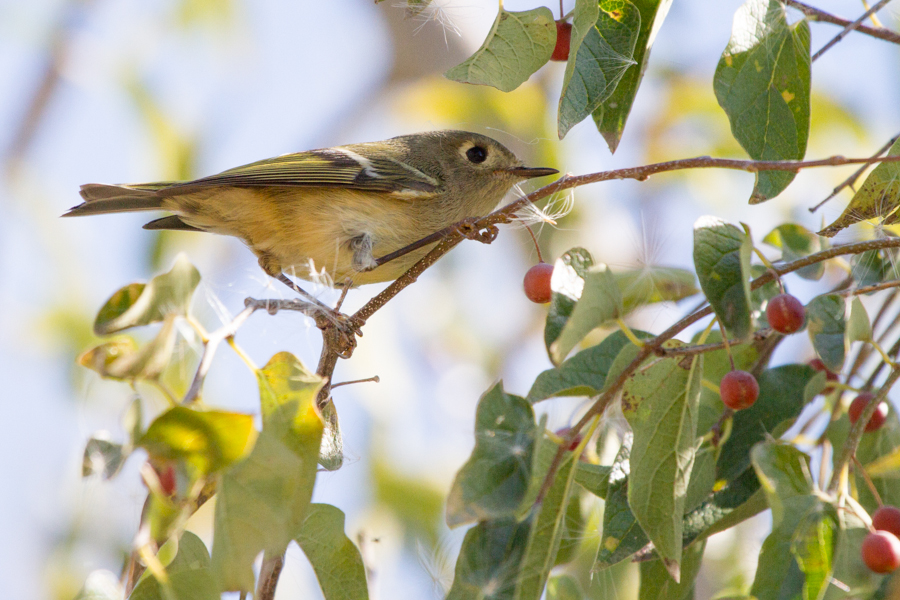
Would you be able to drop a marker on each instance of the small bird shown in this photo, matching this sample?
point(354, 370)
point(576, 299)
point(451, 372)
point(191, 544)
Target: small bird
point(334, 209)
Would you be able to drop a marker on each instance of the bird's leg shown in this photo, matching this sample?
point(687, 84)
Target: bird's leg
point(327, 316)
point(485, 235)
point(363, 258)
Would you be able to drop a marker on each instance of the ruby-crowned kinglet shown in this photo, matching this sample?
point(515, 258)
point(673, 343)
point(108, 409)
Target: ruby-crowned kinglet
point(335, 209)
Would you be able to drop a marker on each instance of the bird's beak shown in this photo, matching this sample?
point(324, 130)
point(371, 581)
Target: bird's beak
point(530, 172)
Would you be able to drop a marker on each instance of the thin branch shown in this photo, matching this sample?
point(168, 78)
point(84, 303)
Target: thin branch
point(815, 14)
point(449, 237)
point(850, 27)
point(870, 289)
point(374, 379)
point(209, 351)
point(851, 181)
point(856, 432)
point(703, 348)
point(268, 576)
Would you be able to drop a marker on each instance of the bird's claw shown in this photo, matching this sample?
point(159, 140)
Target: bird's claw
point(469, 230)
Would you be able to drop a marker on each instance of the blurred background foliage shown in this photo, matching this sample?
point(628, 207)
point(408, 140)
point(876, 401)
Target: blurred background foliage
point(95, 90)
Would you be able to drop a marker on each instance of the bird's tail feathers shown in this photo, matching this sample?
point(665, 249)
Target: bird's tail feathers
point(101, 198)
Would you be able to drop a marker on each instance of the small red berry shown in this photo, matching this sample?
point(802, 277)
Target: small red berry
point(575, 440)
point(739, 390)
point(167, 479)
point(818, 365)
point(881, 551)
point(859, 405)
point(537, 283)
point(887, 518)
point(563, 39)
point(785, 314)
point(830, 375)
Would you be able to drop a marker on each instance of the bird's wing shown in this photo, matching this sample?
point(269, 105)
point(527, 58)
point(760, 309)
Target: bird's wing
point(332, 167)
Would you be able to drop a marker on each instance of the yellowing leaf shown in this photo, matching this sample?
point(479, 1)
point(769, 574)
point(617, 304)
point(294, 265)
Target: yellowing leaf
point(879, 196)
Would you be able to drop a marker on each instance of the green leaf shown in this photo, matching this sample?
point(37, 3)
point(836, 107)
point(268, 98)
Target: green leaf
point(813, 546)
point(660, 403)
point(622, 536)
point(101, 455)
point(600, 302)
point(121, 359)
point(573, 524)
point(827, 325)
point(611, 115)
point(489, 560)
point(208, 440)
point(189, 575)
point(567, 284)
point(879, 196)
point(781, 398)
point(546, 533)
point(261, 504)
point(518, 44)
point(739, 500)
point(652, 284)
point(593, 478)
point(263, 500)
point(763, 83)
point(585, 373)
point(601, 50)
point(335, 559)
point(287, 395)
point(783, 472)
point(496, 477)
point(564, 587)
point(703, 477)
point(138, 304)
point(722, 259)
point(795, 242)
point(874, 266)
point(101, 585)
point(657, 584)
point(859, 328)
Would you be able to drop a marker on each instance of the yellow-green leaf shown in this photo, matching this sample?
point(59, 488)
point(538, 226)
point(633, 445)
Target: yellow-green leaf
point(879, 196)
point(138, 304)
point(209, 440)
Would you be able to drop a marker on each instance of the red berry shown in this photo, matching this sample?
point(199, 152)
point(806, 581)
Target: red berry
point(830, 375)
point(881, 551)
point(575, 440)
point(739, 390)
point(785, 314)
point(563, 38)
point(887, 518)
point(818, 365)
point(859, 405)
point(537, 283)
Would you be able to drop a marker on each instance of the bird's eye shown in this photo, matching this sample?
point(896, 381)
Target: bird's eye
point(476, 154)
